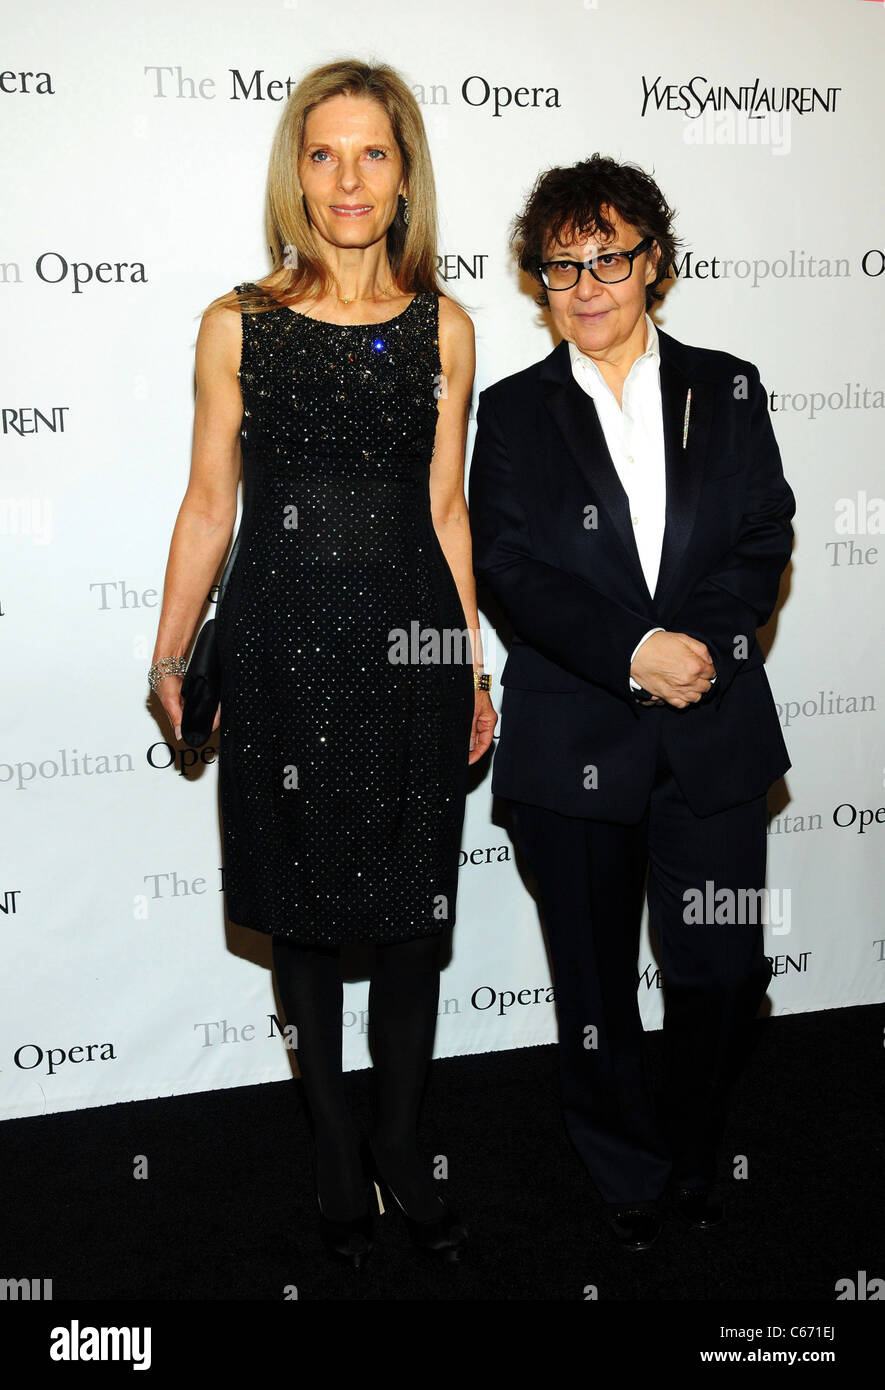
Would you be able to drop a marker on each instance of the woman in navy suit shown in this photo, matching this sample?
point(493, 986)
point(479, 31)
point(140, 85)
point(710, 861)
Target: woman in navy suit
point(631, 517)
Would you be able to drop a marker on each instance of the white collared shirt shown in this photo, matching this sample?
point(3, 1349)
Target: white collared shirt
point(634, 433)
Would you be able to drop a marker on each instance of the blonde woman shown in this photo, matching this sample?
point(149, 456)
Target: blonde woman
point(341, 382)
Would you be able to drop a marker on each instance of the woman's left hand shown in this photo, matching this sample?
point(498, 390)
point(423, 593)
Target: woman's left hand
point(484, 720)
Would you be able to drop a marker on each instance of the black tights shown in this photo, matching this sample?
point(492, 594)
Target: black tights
point(403, 1000)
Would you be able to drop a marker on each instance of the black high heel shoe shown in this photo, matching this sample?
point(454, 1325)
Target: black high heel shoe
point(348, 1241)
point(444, 1237)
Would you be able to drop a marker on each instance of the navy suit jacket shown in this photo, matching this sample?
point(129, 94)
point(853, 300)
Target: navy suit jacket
point(573, 737)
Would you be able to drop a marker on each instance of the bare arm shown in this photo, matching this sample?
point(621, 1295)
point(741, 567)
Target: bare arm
point(208, 510)
point(448, 504)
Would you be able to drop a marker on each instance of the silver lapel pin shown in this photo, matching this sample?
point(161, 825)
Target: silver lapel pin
point(687, 417)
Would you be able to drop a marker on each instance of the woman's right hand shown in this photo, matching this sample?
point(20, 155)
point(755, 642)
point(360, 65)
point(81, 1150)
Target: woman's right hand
point(169, 691)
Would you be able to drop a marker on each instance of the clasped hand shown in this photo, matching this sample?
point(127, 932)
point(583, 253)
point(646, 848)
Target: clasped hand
point(674, 668)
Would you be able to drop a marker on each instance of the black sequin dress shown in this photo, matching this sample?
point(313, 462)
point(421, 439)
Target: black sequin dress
point(342, 772)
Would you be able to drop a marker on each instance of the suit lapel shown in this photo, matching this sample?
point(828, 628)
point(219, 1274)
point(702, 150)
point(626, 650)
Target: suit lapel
point(578, 423)
point(685, 457)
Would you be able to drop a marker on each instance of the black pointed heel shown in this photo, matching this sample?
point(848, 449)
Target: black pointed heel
point(443, 1237)
point(348, 1241)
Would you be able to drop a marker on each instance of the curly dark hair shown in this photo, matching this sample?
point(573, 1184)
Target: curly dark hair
point(576, 202)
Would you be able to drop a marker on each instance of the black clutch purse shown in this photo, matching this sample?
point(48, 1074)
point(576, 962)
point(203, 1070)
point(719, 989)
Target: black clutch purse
point(201, 686)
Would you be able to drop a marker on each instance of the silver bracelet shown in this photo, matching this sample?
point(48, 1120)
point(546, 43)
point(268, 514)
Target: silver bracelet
point(166, 666)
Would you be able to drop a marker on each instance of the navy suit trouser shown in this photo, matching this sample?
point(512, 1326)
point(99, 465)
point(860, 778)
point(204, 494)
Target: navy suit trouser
point(591, 883)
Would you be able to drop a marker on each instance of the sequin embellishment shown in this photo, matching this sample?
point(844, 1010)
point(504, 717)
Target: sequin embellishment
point(342, 775)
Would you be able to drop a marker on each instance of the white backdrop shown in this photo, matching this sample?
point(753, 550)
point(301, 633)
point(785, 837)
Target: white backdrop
point(139, 137)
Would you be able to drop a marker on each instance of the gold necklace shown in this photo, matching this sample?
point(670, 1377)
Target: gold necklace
point(363, 299)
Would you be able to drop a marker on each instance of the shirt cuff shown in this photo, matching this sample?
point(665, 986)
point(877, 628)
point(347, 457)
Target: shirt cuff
point(634, 685)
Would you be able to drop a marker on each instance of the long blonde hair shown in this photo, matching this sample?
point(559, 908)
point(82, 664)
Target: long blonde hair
point(411, 248)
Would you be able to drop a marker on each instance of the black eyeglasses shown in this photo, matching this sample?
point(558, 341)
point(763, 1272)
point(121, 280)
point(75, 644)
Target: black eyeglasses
point(609, 267)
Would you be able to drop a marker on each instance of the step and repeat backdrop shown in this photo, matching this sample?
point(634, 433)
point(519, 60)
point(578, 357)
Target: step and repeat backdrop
point(133, 167)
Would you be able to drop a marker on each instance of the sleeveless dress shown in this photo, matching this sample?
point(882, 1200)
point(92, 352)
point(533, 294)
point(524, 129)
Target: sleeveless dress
point(345, 723)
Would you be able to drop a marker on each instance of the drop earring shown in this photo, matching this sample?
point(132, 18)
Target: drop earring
point(405, 210)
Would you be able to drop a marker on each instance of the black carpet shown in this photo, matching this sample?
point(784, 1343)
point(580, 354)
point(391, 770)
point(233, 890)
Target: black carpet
point(227, 1210)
